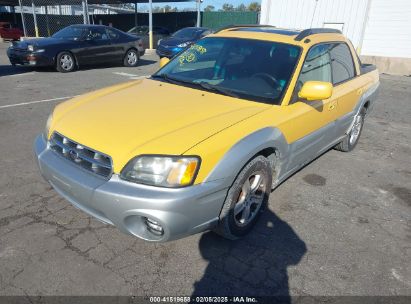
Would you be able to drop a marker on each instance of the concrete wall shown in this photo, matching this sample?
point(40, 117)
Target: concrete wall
point(348, 15)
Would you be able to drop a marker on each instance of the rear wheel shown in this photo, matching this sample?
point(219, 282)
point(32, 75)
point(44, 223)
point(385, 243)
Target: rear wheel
point(65, 62)
point(131, 59)
point(245, 199)
point(351, 140)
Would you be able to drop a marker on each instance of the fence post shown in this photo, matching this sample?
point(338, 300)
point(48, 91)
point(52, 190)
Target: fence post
point(22, 19)
point(150, 23)
point(47, 21)
point(36, 28)
point(198, 13)
point(85, 12)
point(135, 16)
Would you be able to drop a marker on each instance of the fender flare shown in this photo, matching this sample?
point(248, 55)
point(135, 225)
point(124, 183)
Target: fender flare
point(245, 149)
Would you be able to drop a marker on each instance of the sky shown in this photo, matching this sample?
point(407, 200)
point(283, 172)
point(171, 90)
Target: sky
point(216, 3)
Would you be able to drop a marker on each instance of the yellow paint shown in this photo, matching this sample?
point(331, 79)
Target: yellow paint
point(153, 117)
point(164, 61)
point(316, 90)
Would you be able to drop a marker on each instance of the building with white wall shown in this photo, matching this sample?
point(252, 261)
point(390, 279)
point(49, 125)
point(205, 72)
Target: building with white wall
point(379, 29)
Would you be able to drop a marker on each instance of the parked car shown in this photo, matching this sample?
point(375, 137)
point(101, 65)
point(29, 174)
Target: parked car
point(169, 47)
point(10, 32)
point(142, 32)
point(213, 132)
point(78, 45)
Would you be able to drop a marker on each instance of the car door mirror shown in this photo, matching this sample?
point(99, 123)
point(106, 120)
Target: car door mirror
point(316, 90)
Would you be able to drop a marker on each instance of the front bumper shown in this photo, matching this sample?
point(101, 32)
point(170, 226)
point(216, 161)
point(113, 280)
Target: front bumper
point(180, 212)
point(169, 52)
point(25, 57)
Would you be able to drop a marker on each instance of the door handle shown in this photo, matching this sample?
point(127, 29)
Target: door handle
point(332, 106)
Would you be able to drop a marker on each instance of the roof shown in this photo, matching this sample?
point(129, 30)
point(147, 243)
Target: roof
point(304, 38)
point(70, 2)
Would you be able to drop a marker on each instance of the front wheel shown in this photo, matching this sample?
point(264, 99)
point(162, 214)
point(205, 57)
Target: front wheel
point(131, 58)
point(245, 199)
point(351, 140)
point(65, 62)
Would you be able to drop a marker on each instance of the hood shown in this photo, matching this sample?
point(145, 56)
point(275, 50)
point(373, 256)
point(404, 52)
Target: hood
point(174, 41)
point(40, 42)
point(148, 117)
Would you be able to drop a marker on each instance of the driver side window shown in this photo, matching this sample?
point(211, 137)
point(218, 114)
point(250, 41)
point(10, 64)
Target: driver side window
point(317, 67)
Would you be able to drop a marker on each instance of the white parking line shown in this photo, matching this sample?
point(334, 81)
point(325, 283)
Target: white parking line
point(33, 102)
point(132, 76)
point(125, 74)
point(22, 74)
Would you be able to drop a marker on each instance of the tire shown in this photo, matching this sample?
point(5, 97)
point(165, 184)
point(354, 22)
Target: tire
point(65, 62)
point(353, 136)
point(234, 221)
point(131, 58)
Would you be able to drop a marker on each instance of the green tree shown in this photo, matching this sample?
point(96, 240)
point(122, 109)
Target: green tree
point(167, 8)
point(254, 7)
point(228, 7)
point(241, 8)
point(157, 9)
point(209, 8)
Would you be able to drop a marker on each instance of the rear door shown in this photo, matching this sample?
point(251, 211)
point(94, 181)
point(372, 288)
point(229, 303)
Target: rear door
point(347, 86)
point(118, 43)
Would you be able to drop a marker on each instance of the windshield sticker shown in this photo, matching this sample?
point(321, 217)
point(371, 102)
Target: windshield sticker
point(190, 55)
point(198, 48)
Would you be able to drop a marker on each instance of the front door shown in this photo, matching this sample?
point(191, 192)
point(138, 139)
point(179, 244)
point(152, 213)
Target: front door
point(310, 126)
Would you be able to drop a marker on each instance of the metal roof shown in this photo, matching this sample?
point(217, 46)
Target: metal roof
point(68, 2)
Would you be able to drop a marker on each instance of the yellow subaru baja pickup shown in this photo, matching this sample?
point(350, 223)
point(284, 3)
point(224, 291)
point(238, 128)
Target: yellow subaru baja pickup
point(201, 143)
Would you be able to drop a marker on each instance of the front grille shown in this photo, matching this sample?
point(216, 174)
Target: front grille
point(82, 156)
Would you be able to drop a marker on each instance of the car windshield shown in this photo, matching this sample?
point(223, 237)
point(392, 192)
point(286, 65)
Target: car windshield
point(71, 32)
point(187, 33)
point(244, 68)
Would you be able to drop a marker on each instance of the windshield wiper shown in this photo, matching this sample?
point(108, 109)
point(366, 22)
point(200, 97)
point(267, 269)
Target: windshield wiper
point(173, 80)
point(210, 87)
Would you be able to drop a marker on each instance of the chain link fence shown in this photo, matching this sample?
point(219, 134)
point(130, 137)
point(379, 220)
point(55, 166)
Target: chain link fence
point(42, 18)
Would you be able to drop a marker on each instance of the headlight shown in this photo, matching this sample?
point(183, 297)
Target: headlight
point(184, 44)
point(11, 45)
point(48, 124)
point(158, 42)
point(163, 171)
point(30, 48)
point(40, 51)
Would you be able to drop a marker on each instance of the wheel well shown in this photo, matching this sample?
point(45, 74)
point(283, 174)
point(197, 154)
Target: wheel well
point(366, 105)
point(132, 48)
point(272, 154)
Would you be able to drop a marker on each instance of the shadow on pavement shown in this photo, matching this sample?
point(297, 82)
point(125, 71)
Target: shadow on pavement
point(253, 266)
point(8, 70)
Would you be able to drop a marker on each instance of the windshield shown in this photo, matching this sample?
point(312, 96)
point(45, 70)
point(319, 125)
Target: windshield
point(187, 33)
point(71, 32)
point(245, 68)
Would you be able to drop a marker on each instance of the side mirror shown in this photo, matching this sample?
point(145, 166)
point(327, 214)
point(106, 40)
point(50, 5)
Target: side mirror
point(163, 61)
point(316, 90)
